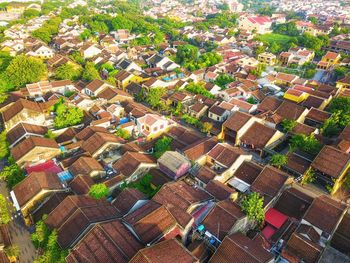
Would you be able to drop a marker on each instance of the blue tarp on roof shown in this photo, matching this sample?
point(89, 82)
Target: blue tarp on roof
point(65, 176)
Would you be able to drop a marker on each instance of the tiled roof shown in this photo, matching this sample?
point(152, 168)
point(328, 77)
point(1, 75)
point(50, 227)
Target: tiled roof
point(166, 251)
point(219, 190)
point(127, 199)
point(331, 161)
point(18, 106)
point(130, 161)
point(237, 120)
point(248, 172)
point(258, 135)
point(22, 129)
point(107, 242)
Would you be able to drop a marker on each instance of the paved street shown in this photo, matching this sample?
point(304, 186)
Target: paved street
point(19, 234)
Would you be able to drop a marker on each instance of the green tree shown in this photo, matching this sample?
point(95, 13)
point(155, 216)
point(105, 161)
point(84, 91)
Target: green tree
point(154, 96)
point(143, 185)
point(66, 116)
point(161, 146)
point(4, 146)
point(123, 134)
point(12, 251)
point(12, 174)
point(207, 127)
point(186, 53)
point(52, 253)
point(279, 160)
point(67, 71)
point(30, 13)
point(85, 34)
point(41, 234)
point(197, 88)
point(50, 135)
point(23, 70)
point(288, 125)
point(5, 216)
point(99, 191)
point(259, 50)
point(253, 207)
point(223, 79)
point(309, 177)
point(90, 72)
point(308, 144)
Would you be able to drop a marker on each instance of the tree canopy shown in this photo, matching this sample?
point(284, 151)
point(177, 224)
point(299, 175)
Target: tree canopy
point(99, 191)
point(11, 173)
point(253, 207)
point(5, 216)
point(154, 96)
point(90, 72)
point(308, 144)
point(23, 70)
point(66, 116)
point(162, 145)
point(279, 160)
point(67, 71)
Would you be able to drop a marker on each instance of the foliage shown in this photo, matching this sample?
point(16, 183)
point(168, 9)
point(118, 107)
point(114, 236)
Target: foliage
point(12, 174)
point(340, 109)
point(178, 109)
point(206, 127)
point(67, 71)
point(309, 177)
point(123, 134)
point(50, 134)
point(186, 53)
point(154, 96)
point(279, 160)
point(77, 57)
point(52, 252)
point(5, 216)
point(308, 144)
point(288, 29)
point(4, 146)
point(143, 185)
point(12, 251)
point(251, 100)
point(340, 72)
point(253, 207)
point(30, 13)
point(288, 125)
point(223, 79)
point(199, 89)
point(191, 120)
point(86, 34)
point(99, 191)
point(259, 70)
point(66, 116)
point(161, 146)
point(259, 50)
point(23, 70)
point(41, 234)
point(90, 72)
point(49, 28)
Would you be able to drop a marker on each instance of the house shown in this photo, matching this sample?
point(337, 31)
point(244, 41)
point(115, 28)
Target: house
point(331, 166)
point(235, 126)
point(242, 105)
point(198, 150)
point(197, 110)
point(124, 78)
point(258, 24)
point(87, 166)
point(152, 125)
point(343, 83)
point(225, 159)
point(133, 165)
point(23, 111)
point(101, 144)
point(270, 183)
point(244, 176)
point(90, 50)
point(220, 191)
point(41, 51)
point(242, 249)
point(267, 58)
point(39, 89)
point(129, 200)
point(81, 184)
point(151, 223)
point(165, 251)
point(330, 59)
point(22, 131)
point(158, 61)
point(174, 164)
point(185, 203)
point(297, 55)
point(316, 117)
point(218, 113)
point(112, 95)
point(95, 87)
point(76, 215)
point(341, 238)
point(225, 218)
point(34, 189)
point(258, 137)
point(35, 149)
point(285, 79)
point(114, 241)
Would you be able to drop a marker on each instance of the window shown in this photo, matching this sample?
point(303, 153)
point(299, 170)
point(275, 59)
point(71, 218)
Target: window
point(217, 118)
point(155, 129)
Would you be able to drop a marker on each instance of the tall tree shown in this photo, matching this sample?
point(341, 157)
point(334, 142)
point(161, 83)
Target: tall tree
point(5, 216)
point(23, 70)
point(90, 72)
point(253, 207)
